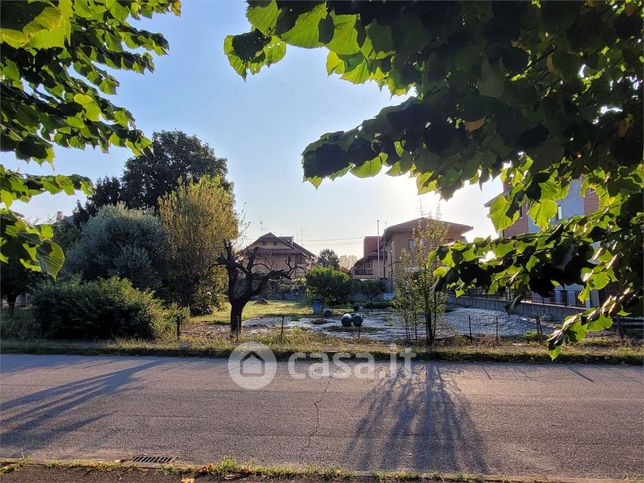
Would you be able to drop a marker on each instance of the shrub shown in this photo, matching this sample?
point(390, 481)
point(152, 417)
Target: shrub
point(330, 285)
point(102, 309)
point(119, 242)
point(19, 325)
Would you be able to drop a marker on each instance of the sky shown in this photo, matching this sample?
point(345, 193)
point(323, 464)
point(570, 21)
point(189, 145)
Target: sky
point(261, 126)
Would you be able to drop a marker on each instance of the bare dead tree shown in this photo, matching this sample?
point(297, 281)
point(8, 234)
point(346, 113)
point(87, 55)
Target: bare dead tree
point(244, 281)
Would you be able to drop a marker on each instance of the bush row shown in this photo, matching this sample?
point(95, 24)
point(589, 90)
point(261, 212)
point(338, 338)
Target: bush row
point(102, 309)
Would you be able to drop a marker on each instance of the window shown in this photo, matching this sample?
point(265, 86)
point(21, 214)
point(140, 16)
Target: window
point(559, 213)
point(411, 243)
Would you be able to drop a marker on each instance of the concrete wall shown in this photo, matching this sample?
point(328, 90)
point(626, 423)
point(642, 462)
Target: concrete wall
point(557, 312)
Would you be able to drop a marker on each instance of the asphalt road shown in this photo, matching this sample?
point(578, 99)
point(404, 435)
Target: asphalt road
point(498, 419)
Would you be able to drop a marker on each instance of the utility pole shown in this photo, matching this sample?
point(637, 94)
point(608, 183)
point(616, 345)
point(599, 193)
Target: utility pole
point(378, 247)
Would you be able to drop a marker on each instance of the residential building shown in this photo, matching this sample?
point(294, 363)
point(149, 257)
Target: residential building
point(369, 267)
point(394, 240)
point(281, 253)
point(400, 237)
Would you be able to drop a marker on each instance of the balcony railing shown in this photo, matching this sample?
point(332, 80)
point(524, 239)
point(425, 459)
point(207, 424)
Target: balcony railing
point(363, 271)
point(560, 297)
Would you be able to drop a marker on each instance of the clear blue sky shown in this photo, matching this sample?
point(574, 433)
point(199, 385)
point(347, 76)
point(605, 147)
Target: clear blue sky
point(261, 126)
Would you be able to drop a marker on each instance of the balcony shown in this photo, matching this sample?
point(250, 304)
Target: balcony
point(363, 272)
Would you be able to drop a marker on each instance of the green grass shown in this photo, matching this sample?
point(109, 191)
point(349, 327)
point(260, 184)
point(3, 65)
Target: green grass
point(231, 469)
point(300, 340)
point(274, 308)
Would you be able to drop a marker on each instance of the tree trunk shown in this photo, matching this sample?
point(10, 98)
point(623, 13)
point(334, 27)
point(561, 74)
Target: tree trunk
point(11, 302)
point(236, 310)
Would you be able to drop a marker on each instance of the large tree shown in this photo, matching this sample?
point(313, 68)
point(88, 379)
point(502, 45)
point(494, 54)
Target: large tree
point(198, 217)
point(120, 242)
point(537, 93)
point(175, 156)
point(107, 191)
point(347, 261)
point(331, 286)
point(328, 258)
point(248, 277)
point(53, 84)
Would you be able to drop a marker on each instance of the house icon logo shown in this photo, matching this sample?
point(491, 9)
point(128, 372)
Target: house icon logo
point(252, 365)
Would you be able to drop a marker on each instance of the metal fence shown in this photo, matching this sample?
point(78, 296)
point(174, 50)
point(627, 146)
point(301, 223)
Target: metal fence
point(563, 297)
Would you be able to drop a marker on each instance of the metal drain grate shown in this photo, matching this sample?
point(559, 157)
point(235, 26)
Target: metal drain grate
point(152, 459)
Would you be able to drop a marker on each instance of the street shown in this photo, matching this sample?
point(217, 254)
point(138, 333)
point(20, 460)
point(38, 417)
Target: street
point(496, 419)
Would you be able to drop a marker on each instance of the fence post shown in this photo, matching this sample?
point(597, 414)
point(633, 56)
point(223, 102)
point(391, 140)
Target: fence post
point(282, 330)
point(469, 322)
point(539, 328)
point(497, 328)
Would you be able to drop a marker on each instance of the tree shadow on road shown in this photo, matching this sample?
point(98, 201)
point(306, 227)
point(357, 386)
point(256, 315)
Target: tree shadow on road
point(34, 421)
point(419, 423)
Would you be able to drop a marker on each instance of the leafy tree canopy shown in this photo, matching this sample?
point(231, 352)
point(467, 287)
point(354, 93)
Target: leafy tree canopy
point(53, 81)
point(328, 258)
point(120, 242)
point(538, 93)
point(330, 285)
point(198, 217)
point(347, 261)
point(107, 191)
point(175, 156)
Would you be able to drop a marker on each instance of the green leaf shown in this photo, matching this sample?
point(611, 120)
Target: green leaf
point(543, 211)
point(345, 36)
point(368, 168)
point(499, 213)
point(304, 32)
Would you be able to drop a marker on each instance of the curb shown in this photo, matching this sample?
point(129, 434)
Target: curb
point(112, 465)
point(282, 355)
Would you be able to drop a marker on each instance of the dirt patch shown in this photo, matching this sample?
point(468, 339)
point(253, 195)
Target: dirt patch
point(29, 474)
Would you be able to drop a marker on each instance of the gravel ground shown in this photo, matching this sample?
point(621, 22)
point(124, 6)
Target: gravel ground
point(386, 326)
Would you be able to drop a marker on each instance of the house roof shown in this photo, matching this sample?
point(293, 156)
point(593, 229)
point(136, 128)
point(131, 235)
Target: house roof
point(412, 224)
point(286, 240)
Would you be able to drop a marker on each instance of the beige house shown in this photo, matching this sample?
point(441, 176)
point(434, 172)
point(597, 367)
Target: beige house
point(396, 238)
point(281, 253)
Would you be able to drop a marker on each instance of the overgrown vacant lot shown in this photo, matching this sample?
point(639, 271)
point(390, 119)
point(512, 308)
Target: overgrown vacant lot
point(274, 308)
point(209, 335)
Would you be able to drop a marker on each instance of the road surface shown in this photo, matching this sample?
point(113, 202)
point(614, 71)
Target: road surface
point(496, 419)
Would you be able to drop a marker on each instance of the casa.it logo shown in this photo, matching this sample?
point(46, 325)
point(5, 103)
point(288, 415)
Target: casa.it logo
point(252, 365)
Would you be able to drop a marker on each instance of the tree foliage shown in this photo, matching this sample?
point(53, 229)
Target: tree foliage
point(347, 261)
point(119, 242)
point(53, 82)
point(198, 217)
point(15, 279)
point(175, 156)
point(415, 281)
point(370, 289)
point(330, 285)
point(328, 258)
point(107, 191)
point(537, 93)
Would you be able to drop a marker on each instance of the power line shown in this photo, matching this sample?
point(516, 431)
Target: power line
point(333, 239)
